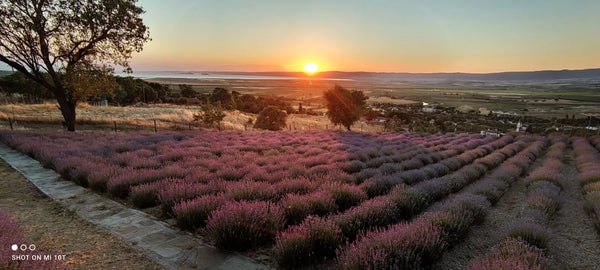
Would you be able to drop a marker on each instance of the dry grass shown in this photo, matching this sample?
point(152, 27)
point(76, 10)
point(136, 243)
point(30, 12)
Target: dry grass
point(389, 100)
point(167, 116)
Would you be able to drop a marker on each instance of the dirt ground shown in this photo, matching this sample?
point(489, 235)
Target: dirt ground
point(58, 231)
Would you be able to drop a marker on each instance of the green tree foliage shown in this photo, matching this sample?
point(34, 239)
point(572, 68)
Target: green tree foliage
point(210, 115)
point(271, 118)
point(17, 83)
point(221, 95)
point(248, 103)
point(187, 91)
point(344, 106)
point(85, 81)
point(56, 42)
point(130, 90)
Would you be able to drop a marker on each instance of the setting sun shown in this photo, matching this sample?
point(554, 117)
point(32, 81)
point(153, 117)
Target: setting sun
point(311, 68)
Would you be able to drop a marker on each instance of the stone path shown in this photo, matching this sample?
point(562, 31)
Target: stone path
point(168, 246)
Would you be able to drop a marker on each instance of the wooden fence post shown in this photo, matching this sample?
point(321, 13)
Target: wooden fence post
point(154, 125)
point(10, 123)
point(115, 122)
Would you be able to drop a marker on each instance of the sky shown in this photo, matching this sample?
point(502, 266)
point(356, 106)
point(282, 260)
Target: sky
point(425, 36)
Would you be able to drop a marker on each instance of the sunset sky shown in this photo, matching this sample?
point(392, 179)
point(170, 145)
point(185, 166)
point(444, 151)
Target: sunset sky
point(356, 35)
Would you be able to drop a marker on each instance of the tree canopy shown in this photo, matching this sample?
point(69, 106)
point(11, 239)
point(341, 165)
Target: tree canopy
point(211, 114)
point(271, 118)
point(345, 106)
point(67, 45)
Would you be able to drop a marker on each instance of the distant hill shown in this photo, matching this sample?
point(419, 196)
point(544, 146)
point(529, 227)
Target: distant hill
point(545, 75)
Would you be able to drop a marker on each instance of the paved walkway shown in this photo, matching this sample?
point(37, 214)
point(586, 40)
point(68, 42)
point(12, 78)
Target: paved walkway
point(168, 246)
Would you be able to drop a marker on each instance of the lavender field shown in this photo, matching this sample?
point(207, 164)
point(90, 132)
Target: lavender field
point(335, 199)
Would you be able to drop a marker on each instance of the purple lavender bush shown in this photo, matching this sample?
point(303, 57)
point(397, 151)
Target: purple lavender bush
point(244, 225)
point(315, 239)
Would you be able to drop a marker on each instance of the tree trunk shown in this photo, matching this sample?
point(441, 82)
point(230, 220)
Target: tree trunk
point(67, 108)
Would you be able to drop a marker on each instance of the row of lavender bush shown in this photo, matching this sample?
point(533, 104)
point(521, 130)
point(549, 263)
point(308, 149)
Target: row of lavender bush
point(418, 244)
point(329, 198)
point(215, 169)
point(402, 203)
point(529, 233)
point(588, 165)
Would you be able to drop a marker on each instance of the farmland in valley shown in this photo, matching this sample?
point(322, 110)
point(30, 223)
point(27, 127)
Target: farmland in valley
point(351, 200)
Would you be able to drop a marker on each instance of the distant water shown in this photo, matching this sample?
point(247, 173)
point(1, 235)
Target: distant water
point(212, 76)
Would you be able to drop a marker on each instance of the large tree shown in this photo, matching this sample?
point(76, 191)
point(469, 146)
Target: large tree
point(345, 106)
point(68, 45)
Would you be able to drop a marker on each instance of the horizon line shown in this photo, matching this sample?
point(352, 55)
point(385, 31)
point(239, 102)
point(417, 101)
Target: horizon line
point(356, 71)
point(363, 71)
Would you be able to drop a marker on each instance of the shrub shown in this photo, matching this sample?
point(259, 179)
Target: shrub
point(297, 207)
point(177, 190)
point(408, 201)
point(374, 213)
point(345, 195)
point(379, 185)
point(300, 185)
point(313, 240)
point(531, 233)
point(353, 166)
point(271, 118)
point(244, 225)
point(472, 205)
point(512, 254)
point(194, 213)
point(12, 233)
point(365, 174)
point(413, 176)
point(120, 185)
point(545, 174)
point(229, 173)
point(544, 196)
point(145, 195)
point(402, 246)
point(589, 176)
point(592, 187)
point(452, 163)
point(412, 164)
point(491, 188)
point(98, 178)
point(454, 224)
point(250, 191)
point(435, 170)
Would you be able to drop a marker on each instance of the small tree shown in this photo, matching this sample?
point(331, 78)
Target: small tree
point(345, 106)
point(271, 118)
point(210, 115)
